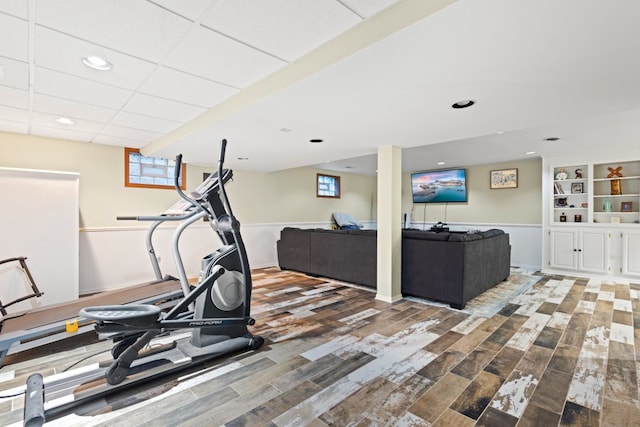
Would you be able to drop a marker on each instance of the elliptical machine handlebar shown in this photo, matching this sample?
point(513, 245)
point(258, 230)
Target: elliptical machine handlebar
point(223, 191)
point(194, 201)
point(176, 181)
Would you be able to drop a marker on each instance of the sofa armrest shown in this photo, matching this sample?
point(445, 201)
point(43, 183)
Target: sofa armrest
point(294, 249)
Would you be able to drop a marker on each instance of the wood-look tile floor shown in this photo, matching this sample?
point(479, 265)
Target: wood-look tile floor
point(562, 353)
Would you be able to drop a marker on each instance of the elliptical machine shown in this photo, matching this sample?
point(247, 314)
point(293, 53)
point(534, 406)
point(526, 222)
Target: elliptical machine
point(215, 312)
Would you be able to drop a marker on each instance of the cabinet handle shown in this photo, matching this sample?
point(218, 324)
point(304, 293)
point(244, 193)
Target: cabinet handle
point(575, 250)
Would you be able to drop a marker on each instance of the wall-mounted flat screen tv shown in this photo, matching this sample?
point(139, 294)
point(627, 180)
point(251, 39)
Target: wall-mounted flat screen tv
point(441, 186)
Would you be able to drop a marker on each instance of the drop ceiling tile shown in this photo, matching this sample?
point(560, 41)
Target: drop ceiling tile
point(130, 133)
point(192, 9)
point(183, 87)
point(54, 83)
point(14, 127)
point(216, 57)
point(15, 37)
point(137, 28)
point(71, 135)
point(367, 8)
point(162, 108)
point(118, 142)
point(15, 7)
point(14, 97)
point(14, 73)
point(14, 114)
point(286, 29)
point(138, 121)
point(49, 120)
point(64, 53)
point(71, 109)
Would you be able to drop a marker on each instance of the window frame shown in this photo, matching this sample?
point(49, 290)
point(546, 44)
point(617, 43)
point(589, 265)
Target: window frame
point(127, 183)
point(336, 180)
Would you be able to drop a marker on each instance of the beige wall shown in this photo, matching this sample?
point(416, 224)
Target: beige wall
point(522, 205)
point(281, 197)
point(289, 196)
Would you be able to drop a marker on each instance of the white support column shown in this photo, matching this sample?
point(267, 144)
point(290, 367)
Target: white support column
point(389, 244)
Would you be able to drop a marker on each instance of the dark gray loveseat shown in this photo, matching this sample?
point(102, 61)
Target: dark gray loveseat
point(447, 267)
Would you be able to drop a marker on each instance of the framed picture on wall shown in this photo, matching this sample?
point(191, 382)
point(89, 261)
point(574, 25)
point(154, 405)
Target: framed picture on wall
point(504, 178)
point(626, 206)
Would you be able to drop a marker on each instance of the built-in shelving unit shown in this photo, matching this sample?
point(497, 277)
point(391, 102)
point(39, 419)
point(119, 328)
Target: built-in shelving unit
point(616, 198)
point(570, 194)
point(593, 225)
point(596, 193)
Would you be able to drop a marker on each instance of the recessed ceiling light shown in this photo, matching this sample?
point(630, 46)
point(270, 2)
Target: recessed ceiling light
point(440, 163)
point(551, 139)
point(97, 63)
point(530, 152)
point(65, 121)
point(500, 132)
point(465, 103)
point(349, 167)
point(243, 158)
point(316, 141)
point(285, 130)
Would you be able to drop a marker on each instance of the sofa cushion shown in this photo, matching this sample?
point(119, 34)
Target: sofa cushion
point(363, 232)
point(460, 237)
point(425, 235)
point(490, 233)
point(325, 230)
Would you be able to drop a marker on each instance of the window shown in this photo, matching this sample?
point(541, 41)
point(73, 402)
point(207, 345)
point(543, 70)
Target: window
point(328, 186)
point(150, 172)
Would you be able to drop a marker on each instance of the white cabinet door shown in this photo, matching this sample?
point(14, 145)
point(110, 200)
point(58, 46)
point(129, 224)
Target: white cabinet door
point(563, 249)
point(581, 250)
point(593, 251)
point(631, 253)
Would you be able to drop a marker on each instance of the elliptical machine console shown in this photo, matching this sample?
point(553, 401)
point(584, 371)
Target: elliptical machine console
point(215, 313)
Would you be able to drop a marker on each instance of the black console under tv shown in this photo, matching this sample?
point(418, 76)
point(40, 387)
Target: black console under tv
point(440, 227)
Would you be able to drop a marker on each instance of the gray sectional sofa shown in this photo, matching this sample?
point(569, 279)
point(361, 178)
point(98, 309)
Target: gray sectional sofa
point(346, 255)
point(448, 267)
point(453, 267)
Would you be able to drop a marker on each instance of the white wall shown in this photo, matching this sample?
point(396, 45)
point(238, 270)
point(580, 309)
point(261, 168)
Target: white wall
point(39, 220)
point(113, 258)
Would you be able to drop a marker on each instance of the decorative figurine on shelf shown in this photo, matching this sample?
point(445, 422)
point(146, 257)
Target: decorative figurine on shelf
point(616, 188)
point(614, 172)
point(563, 217)
point(561, 175)
point(578, 173)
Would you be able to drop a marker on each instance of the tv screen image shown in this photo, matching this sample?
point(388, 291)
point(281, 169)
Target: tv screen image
point(442, 186)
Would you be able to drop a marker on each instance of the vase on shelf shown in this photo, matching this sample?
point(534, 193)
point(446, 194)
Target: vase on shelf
point(606, 206)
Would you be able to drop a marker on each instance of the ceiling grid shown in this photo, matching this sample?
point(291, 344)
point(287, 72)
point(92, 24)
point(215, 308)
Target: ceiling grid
point(359, 74)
